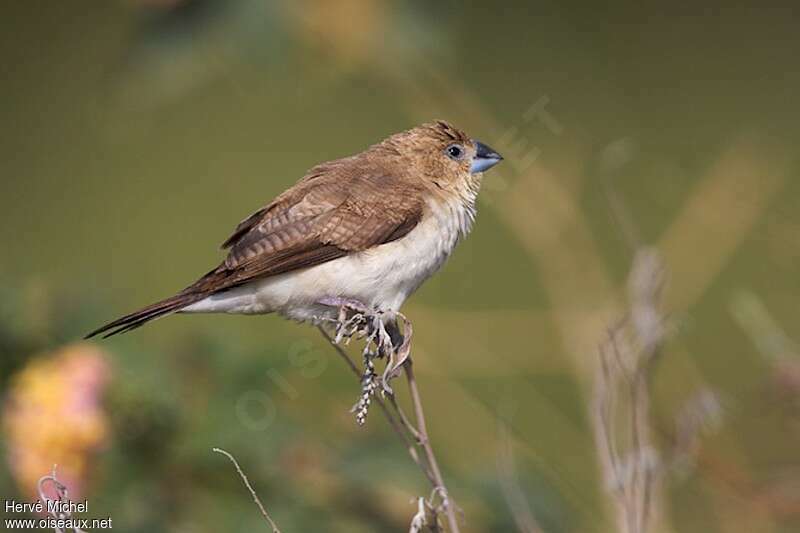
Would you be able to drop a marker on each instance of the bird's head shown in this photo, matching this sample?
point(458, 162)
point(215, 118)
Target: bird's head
point(443, 155)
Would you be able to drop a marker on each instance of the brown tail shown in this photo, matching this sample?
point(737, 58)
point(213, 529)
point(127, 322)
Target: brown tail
point(151, 312)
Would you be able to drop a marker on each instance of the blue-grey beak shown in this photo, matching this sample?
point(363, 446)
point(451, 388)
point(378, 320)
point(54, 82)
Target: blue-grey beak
point(485, 158)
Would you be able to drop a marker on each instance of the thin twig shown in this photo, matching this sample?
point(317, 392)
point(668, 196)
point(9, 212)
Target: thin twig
point(404, 419)
point(406, 431)
point(62, 494)
point(449, 507)
point(256, 499)
point(408, 436)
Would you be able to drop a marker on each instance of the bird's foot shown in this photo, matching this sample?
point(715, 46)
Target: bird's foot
point(383, 338)
point(357, 319)
point(351, 320)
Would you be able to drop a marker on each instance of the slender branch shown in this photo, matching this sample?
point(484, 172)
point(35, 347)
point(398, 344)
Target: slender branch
point(264, 513)
point(404, 419)
point(402, 428)
point(340, 351)
point(424, 441)
point(408, 433)
point(62, 494)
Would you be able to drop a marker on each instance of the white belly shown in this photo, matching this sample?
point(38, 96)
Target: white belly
point(382, 277)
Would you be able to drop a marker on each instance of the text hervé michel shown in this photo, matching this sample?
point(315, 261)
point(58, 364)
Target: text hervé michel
point(56, 507)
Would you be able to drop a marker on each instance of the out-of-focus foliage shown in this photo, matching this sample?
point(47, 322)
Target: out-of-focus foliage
point(136, 134)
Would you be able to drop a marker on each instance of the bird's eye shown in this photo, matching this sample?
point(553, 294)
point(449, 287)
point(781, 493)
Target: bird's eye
point(454, 152)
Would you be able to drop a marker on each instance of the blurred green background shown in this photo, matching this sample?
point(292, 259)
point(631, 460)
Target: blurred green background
point(136, 134)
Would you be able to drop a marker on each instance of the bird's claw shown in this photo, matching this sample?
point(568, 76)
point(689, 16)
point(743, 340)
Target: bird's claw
point(383, 339)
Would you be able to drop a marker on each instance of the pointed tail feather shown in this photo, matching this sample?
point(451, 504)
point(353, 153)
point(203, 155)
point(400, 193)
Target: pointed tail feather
point(151, 312)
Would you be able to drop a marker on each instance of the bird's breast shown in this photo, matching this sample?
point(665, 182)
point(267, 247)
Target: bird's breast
point(419, 254)
point(386, 275)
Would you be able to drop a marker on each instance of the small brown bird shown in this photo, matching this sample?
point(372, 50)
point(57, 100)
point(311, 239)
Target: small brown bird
point(368, 228)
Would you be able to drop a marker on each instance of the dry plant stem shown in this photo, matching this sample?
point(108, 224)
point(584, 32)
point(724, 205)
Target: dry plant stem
point(424, 441)
point(402, 428)
point(256, 499)
point(404, 419)
point(622, 423)
point(406, 431)
point(62, 494)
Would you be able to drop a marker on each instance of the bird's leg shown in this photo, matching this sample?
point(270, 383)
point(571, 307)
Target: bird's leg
point(357, 319)
point(353, 317)
point(384, 338)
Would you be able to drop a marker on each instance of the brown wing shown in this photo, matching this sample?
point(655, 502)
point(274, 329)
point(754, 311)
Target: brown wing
point(315, 222)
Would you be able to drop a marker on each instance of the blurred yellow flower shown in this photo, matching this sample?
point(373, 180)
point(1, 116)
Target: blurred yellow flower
point(54, 415)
